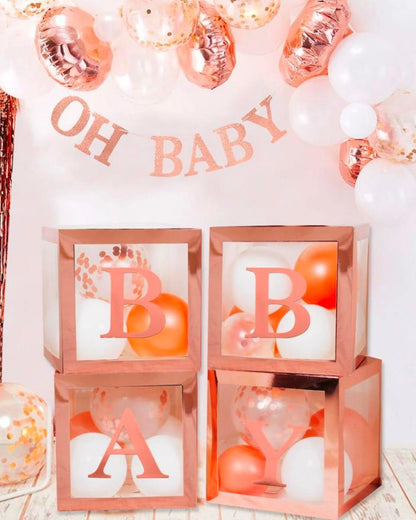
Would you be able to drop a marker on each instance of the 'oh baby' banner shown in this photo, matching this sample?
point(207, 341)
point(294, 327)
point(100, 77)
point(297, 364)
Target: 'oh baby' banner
point(169, 159)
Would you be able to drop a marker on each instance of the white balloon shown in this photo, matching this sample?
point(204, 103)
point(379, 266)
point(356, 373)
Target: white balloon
point(92, 320)
point(242, 283)
point(385, 190)
point(303, 470)
point(21, 73)
point(314, 112)
point(358, 120)
point(172, 427)
point(108, 26)
point(317, 342)
point(86, 453)
point(144, 75)
point(364, 68)
point(168, 454)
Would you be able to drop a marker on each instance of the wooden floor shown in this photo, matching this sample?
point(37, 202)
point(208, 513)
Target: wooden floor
point(395, 500)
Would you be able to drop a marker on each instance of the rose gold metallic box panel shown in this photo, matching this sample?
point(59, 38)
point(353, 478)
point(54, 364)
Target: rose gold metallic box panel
point(288, 299)
point(122, 300)
point(296, 444)
point(126, 441)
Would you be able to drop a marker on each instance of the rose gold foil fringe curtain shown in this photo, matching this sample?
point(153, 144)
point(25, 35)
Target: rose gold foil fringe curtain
point(8, 109)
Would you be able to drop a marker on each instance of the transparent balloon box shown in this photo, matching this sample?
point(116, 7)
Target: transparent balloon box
point(126, 441)
point(295, 444)
point(288, 298)
point(122, 300)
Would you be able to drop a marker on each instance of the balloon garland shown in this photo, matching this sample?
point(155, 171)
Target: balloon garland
point(8, 110)
point(353, 68)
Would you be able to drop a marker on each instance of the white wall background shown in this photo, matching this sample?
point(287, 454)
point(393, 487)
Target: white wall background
point(285, 183)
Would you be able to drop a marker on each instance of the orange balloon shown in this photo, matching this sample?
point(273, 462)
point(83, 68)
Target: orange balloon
point(318, 265)
point(239, 468)
point(359, 443)
point(172, 340)
point(82, 423)
point(235, 310)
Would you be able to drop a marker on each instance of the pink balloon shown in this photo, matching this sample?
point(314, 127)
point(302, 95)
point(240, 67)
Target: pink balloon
point(150, 406)
point(235, 343)
point(279, 408)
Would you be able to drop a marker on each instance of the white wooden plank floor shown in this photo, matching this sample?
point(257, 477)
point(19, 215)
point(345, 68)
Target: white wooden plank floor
point(395, 500)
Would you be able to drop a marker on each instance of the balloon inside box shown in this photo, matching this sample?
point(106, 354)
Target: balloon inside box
point(121, 445)
point(111, 298)
point(289, 296)
point(298, 444)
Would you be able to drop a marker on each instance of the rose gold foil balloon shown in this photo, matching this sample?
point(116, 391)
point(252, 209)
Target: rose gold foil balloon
point(70, 50)
point(235, 343)
point(312, 38)
point(395, 134)
point(208, 58)
point(23, 433)
point(247, 14)
point(279, 408)
point(150, 406)
point(162, 24)
point(354, 154)
point(25, 8)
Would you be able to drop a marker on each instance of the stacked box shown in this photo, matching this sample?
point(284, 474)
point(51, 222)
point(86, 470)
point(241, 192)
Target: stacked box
point(294, 403)
point(122, 329)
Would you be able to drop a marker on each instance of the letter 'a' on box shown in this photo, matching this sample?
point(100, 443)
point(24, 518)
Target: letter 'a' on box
point(288, 298)
point(126, 441)
point(122, 300)
point(296, 444)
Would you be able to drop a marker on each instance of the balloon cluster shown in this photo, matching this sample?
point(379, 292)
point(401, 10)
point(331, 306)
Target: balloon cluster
point(355, 90)
point(317, 264)
point(295, 435)
point(353, 67)
point(91, 432)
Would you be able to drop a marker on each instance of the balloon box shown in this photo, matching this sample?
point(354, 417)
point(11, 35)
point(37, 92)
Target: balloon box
point(122, 300)
point(126, 441)
point(294, 443)
point(289, 299)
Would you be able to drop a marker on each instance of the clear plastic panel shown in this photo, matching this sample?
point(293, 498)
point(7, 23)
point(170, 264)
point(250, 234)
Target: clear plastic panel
point(362, 296)
point(126, 442)
point(268, 446)
point(51, 319)
point(109, 325)
point(362, 432)
point(303, 276)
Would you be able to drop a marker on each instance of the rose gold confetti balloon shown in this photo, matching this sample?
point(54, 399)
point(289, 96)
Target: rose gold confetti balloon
point(208, 58)
point(162, 24)
point(23, 433)
point(395, 134)
point(279, 408)
point(150, 406)
point(354, 154)
point(25, 8)
point(312, 38)
point(70, 50)
point(247, 14)
point(92, 282)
